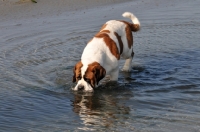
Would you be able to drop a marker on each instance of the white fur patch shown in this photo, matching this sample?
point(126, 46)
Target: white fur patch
point(97, 51)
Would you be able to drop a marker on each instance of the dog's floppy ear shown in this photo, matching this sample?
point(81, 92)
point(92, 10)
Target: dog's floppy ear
point(99, 73)
point(74, 76)
point(77, 71)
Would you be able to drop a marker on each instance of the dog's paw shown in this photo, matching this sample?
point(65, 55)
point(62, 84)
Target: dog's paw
point(126, 69)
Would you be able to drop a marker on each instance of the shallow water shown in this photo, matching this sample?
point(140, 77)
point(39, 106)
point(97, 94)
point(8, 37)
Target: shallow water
point(161, 93)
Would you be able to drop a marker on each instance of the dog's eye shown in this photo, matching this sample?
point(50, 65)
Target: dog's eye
point(87, 80)
point(78, 78)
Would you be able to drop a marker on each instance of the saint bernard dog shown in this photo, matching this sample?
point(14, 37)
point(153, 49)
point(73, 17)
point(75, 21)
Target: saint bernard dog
point(102, 53)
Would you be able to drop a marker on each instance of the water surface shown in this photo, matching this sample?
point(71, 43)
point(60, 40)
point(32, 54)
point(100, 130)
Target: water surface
point(161, 93)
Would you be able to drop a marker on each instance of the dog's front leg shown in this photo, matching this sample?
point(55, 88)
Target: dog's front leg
point(114, 75)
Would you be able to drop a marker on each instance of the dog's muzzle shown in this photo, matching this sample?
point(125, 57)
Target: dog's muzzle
point(80, 87)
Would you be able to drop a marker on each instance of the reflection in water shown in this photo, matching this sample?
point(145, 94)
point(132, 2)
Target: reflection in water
point(102, 108)
point(37, 57)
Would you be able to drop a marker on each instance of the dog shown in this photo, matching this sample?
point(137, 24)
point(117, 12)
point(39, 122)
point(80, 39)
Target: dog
point(101, 55)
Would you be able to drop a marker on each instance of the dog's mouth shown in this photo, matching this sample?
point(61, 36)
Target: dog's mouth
point(83, 91)
point(83, 88)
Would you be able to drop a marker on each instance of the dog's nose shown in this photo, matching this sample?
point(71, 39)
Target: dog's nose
point(80, 87)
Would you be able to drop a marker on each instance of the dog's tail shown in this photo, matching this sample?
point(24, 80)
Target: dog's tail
point(136, 23)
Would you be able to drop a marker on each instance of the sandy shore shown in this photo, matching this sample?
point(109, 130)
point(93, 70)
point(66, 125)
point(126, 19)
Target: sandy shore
point(17, 9)
point(24, 9)
point(41, 42)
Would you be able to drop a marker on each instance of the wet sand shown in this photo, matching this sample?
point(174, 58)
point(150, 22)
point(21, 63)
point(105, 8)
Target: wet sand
point(41, 42)
point(24, 9)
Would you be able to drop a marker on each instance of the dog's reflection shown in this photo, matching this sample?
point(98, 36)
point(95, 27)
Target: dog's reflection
point(102, 108)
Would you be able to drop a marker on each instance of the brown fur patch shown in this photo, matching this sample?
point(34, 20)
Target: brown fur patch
point(110, 43)
point(134, 27)
point(94, 73)
point(129, 28)
point(129, 36)
point(119, 41)
point(77, 71)
point(104, 31)
point(104, 26)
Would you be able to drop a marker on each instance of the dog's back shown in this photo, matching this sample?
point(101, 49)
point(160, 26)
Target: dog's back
point(121, 33)
point(101, 55)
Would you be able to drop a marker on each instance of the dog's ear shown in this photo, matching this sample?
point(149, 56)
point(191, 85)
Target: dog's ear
point(99, 73)
point(74, 76)
point(77, 71)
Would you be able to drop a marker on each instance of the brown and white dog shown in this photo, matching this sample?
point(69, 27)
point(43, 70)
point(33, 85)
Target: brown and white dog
point(101, 55)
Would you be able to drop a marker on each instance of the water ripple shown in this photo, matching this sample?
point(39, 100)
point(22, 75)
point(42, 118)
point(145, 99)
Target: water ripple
point(161, 93)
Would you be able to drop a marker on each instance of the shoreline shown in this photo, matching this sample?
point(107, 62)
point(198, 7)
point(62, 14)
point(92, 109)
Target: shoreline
point(20, 9)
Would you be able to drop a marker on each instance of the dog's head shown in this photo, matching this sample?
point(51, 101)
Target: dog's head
point(88, 77)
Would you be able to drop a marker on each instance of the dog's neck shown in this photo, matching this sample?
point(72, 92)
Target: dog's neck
point(93, 53)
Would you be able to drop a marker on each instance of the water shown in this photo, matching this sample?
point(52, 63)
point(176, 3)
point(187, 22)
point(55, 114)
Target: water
point(161, 93)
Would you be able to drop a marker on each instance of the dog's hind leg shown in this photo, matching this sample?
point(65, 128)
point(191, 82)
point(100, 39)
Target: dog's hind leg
point(127, 65)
